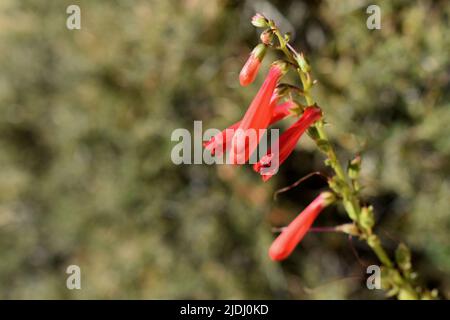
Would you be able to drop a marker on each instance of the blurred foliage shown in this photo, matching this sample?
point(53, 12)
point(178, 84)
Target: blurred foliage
point(86, 175)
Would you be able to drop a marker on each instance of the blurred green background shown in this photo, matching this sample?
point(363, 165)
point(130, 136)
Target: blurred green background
point(85, 125)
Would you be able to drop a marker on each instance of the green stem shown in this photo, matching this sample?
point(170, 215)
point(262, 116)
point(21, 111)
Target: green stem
point(335, 163)
point(282, 42)
point(374, 242)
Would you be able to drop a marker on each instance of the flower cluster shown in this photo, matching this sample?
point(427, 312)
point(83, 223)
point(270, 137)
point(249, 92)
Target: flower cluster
point(266, 109)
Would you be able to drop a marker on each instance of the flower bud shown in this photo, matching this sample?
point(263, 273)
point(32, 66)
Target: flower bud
point(259, 21)
point(259, 51)
point(403, 257)
point(251, 67)
point(354, 167)
point(337, 185)
point(367, 219)
point(266, 37)
point(304, 65)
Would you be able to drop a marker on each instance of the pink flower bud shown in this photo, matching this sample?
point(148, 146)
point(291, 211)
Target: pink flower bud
point(259, 21)
point(266, 36)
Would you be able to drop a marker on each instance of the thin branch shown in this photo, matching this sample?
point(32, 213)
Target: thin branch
point(275, 195)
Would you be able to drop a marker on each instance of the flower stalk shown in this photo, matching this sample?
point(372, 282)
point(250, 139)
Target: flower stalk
point(398, 278)
point(398, 282)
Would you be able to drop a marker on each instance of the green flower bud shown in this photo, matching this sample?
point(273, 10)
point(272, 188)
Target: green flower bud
point(266, 36)
point(367, 219)
point(336, 184)
point(403, 257)
point(304, 65)
point(354, 167)
point(259, 51)
point(259, 21)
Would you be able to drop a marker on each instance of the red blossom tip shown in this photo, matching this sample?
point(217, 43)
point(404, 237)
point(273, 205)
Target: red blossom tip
point(251, 67)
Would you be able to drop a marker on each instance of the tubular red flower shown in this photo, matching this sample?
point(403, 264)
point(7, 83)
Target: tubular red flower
point(268, 165)
point(257, 117)
point(291, 236)
point(251, 67)
point(219, 143)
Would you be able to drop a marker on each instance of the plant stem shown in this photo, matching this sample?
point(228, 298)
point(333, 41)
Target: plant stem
point(344, 186)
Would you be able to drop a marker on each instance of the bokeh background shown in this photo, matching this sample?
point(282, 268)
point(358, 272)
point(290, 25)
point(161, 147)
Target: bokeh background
point(85, 170)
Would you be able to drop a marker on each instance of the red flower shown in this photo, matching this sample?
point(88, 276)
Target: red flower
point(219, 143)
point(251, 67)
point(291, 236)
point(269, 164)
point(257, 117)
